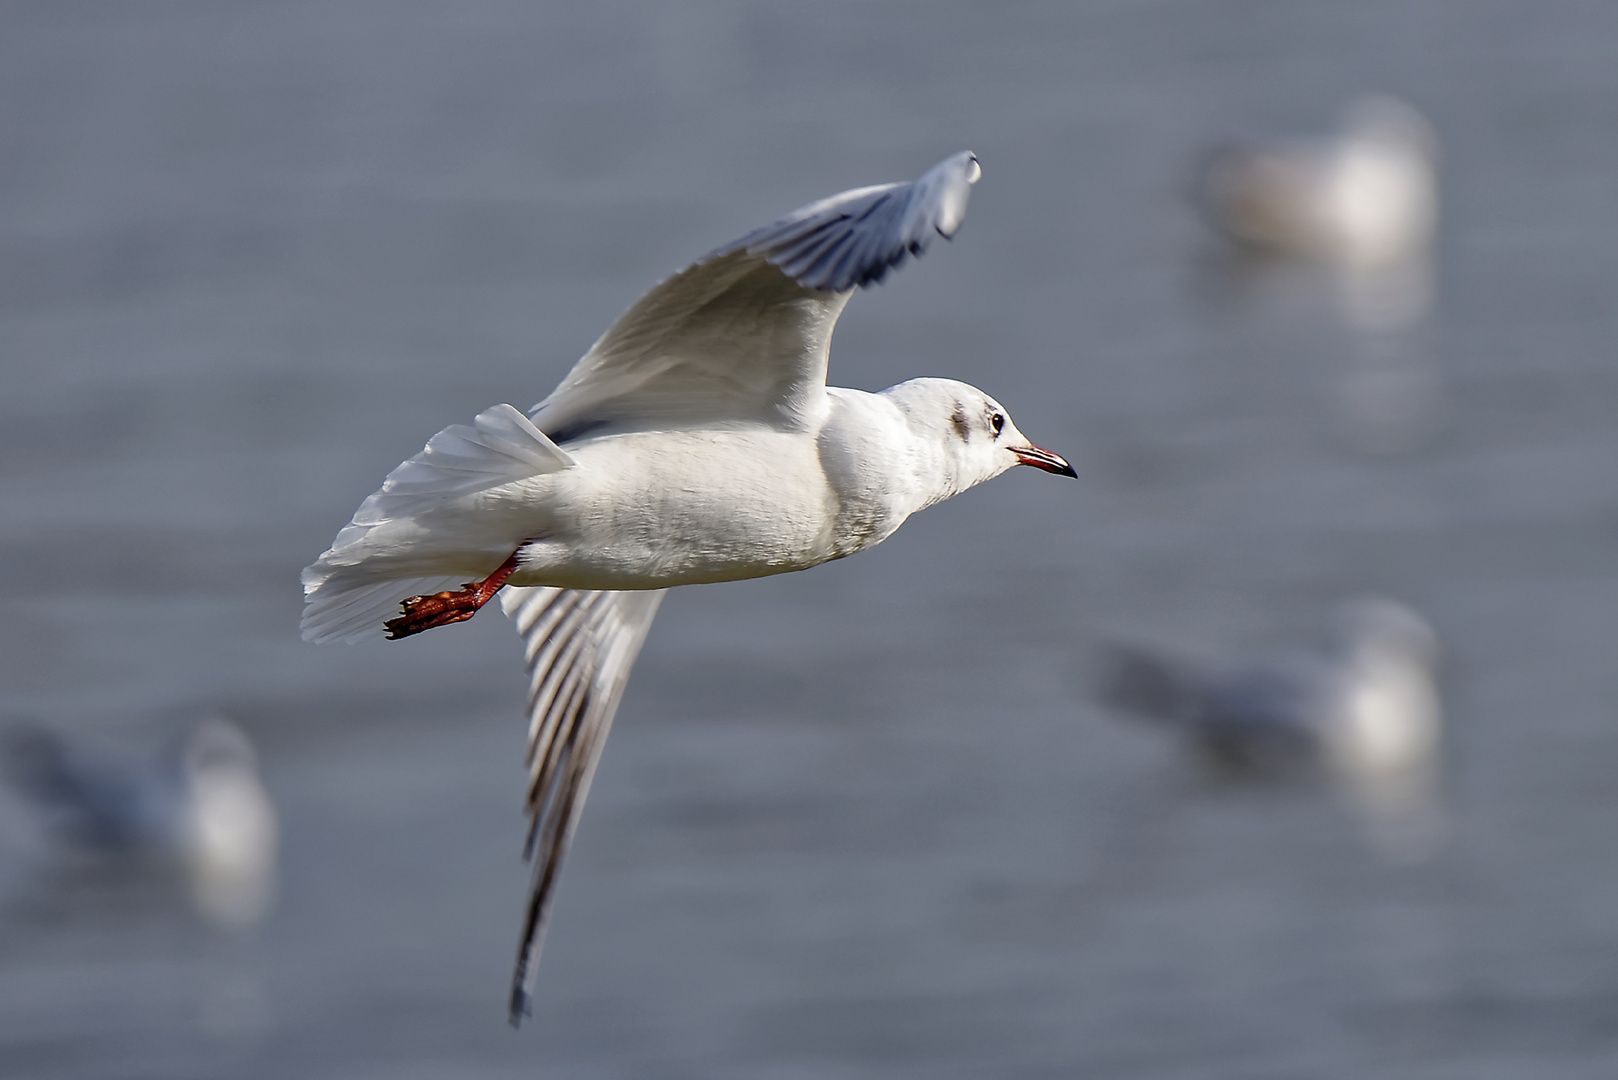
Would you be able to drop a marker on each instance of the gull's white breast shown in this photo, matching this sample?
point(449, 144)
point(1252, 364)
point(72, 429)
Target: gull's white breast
point(648, 510)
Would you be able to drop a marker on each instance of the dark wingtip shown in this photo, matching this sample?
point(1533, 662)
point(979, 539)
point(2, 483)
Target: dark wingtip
point(521, 1005)
point(1144, 685)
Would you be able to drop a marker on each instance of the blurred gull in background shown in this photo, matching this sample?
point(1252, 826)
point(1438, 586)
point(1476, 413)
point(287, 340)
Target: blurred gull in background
point(1366, 197)
point(1363, 204)
point(1364, 713)
point(200, 810)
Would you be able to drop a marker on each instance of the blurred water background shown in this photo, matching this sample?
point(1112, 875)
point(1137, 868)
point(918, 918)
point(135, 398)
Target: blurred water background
point(866, 821)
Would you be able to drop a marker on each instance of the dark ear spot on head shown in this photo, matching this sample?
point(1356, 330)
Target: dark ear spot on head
point(958, 418)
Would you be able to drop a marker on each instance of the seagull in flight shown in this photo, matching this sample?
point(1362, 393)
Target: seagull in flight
point(696, 441)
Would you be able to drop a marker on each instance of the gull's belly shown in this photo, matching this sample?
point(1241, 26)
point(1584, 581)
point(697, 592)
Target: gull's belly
point(645, 511)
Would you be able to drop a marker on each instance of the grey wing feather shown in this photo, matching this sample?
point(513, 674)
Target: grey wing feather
point(579, 647)
point(855, 238)
point(1279, 694)
point(1149, 685)
point(1256, 697)
point(744, 332)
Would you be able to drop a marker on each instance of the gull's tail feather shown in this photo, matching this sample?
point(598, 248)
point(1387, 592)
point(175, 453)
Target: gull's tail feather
point(337, 608)
point(500, 446)
point(374, 564)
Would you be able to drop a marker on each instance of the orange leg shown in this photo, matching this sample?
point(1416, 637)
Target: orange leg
point(441, 609)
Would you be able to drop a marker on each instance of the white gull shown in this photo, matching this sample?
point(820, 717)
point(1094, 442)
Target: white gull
point(696, 441)
point(1365, 713)
point(200, 809)
point(1367, 197)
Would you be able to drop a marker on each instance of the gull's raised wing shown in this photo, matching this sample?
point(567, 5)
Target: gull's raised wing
point(578, 647)
point(743, 333)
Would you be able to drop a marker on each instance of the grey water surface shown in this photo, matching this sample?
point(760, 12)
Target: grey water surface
point(864, 821)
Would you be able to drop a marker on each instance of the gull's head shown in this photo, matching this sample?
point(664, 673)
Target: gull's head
point(1374, 631)
point(231, 833)
point(1389, 126)
point(971, 434)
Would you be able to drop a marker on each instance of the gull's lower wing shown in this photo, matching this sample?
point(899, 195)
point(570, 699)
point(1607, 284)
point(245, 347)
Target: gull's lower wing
point(743, 333)
point(578, 648)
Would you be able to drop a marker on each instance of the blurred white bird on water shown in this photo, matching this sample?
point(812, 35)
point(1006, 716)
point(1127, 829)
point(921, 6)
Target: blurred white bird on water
point(1366, 197)
point(1365, 713)
point(696, 441)
point(198, 811)
point(1362, 203)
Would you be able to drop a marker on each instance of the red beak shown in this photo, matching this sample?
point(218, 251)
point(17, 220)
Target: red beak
point(1043, 459)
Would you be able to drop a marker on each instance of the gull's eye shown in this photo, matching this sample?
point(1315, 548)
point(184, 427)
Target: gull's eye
point(997, 422)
